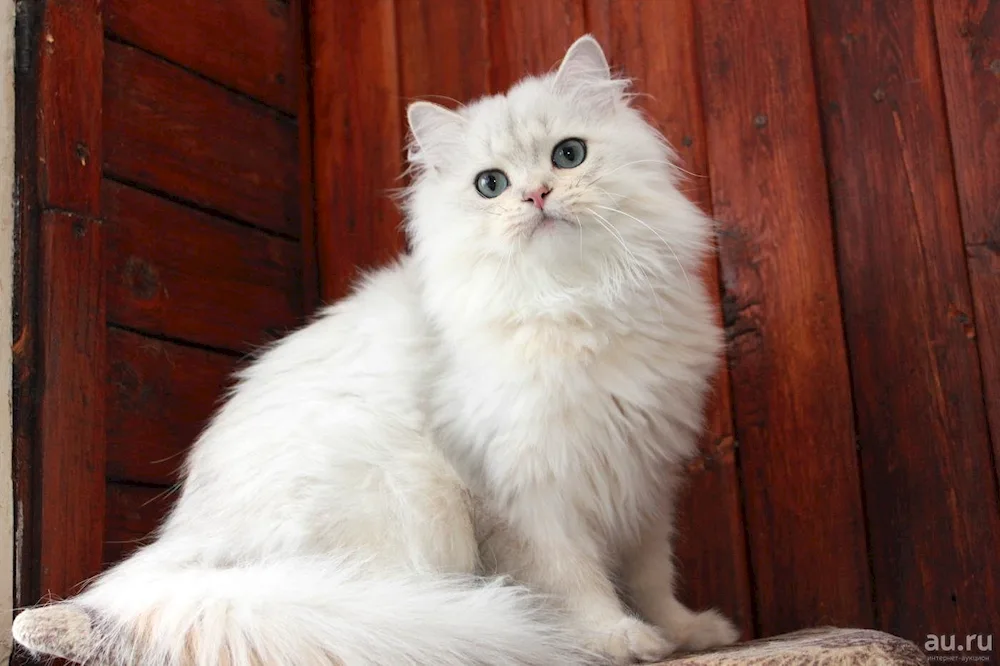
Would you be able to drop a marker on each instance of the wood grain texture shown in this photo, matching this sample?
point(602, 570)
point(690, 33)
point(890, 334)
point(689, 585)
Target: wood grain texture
point(528, 37)
point(357, 138)
point(71, 52)
point(444, 50)
point(307, 191)
point(70, 446)
point(176, 272)
point(256, 56)
point(160, 396)
point(25, 315)
point(968, 39)
point(908, 314)
point(791, 387)
point(169, 130)
point(654, 44)
point(134, 513)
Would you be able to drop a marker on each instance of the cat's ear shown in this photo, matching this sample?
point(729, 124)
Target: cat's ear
point(584, 63)
point(434, 129)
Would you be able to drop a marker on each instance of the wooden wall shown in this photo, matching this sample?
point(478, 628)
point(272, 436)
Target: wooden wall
point(198, 194)
point(164, 231)
point(851, 152)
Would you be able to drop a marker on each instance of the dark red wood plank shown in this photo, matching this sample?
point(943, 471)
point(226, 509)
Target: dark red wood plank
point(357, 138)
point(444, 50)
point(160, 396)
point(791, 387)
point(71, 53)
point(134, 512)
point(172, 131)
point(984, 275)
point(256, 56)
point(528, 37)
point(307, 191)
point(654, 43)
point(70, 440)
point(176, 272)
point(930, 493)
point(968, 37)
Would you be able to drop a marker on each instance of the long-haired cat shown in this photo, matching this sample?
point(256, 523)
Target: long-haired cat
point(473, 458)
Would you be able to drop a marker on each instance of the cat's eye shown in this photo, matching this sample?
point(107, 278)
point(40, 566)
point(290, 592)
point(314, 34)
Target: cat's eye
point(569, 153)
point(492, 183)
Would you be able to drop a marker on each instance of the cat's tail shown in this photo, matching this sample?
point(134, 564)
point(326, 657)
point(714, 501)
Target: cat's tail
point(297, 612)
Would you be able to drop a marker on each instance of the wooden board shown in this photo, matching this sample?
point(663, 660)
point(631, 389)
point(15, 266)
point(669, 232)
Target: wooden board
point(357, 138)
point(24, 350)
point(70, 443)
point(256, 55)
point(175, 272)
point(908, 315)
point(160, 395)
point(307, 199)
point(654, 44)
point(791, 388)
point(71, 51)
point(528, 37)
point(174, 132)
point(444, 50)
point(968, 35)
point(134, 513)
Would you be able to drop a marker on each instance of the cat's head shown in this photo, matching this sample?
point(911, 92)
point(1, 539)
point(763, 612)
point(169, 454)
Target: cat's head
point(558, 178)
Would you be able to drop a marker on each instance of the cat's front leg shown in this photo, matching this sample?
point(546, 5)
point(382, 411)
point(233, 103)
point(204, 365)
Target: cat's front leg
point(553, 559)
point(648, 574)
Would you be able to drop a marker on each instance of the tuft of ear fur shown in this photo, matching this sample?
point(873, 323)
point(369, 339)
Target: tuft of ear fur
point(433, 129)
point(583, 63)
point(585, 75)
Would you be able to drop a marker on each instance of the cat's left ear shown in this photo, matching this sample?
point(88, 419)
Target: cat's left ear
point(436, 132)
point(583, 64)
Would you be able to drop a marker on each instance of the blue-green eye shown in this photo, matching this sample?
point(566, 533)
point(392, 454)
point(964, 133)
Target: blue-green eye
point(569, 153)
point(492, 183)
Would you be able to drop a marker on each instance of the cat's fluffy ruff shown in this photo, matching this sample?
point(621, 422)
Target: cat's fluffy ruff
point(559, 368)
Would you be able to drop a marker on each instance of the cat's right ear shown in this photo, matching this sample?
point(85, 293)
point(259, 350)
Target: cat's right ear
point(436, 132)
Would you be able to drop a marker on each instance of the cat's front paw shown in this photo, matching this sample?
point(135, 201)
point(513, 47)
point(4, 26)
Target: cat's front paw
point(631, 641)
point(708, 629)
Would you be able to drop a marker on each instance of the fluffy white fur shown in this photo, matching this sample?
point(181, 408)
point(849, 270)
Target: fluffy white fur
point(514, 398)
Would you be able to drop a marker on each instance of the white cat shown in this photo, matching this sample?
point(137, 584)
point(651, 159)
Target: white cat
point(517, 397)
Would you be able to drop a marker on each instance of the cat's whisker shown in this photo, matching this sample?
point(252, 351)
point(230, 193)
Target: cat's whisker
point(633, 163)
point(658, 235)
point(579, 226)
point(690, 173)
point(632, 261)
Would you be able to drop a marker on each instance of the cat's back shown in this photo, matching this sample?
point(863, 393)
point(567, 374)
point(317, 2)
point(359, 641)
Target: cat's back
point(371, 335)
point(359, 357)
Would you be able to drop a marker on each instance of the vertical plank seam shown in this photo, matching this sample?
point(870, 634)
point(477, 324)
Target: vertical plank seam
point(824, 145)
point(28, 30)
point(491, 46)
point(307, 171)
point(953, 157)
point(393, 191)
point(751, 574)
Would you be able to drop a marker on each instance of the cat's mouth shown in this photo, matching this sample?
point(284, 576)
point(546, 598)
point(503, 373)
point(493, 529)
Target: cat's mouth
point(546, 222)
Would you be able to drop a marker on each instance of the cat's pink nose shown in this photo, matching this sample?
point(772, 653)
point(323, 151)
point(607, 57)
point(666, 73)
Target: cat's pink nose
point(537, 196)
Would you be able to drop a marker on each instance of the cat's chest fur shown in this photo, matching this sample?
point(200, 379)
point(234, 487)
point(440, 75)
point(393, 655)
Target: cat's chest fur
point(574, 416)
